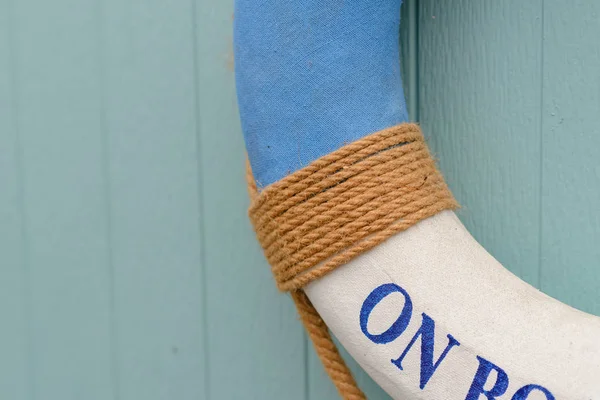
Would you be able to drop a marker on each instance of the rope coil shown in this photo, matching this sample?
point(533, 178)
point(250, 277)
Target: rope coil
point(339, 206)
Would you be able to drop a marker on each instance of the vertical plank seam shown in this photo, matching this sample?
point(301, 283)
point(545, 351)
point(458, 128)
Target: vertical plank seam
point(108, 205)
point(201, 210)
point(541, 151)
point(27, 295)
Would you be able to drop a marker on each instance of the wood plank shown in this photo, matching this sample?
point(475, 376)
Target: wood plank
point(14, 299)
point(571, 150)
point(480, 105)
point(57, 106)
point(255, 342)
point(155, 206)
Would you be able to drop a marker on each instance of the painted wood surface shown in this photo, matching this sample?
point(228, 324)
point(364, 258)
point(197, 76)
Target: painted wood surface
point(128, 269)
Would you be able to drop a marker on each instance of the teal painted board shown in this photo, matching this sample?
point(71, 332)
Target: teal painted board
point(255, 345)
point(56, 85)
point(480, 105)
point(570, 146)
point(14, 303)
point(155, 214)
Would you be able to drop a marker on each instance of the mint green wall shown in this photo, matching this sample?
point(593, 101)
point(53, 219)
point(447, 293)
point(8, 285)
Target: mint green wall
point(128, 269)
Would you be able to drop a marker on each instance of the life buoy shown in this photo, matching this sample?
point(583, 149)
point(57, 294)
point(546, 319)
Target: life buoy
point(428, 313)
point(475, 330)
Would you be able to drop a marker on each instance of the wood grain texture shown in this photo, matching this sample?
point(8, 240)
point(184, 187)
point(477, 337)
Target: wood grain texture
point(155, 215)
point(570, 153)
point(256, 345)
point(15, 337)
point(60, 161)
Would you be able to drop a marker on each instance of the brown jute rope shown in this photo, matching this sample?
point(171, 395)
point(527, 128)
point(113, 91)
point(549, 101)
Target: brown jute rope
point(341, 205)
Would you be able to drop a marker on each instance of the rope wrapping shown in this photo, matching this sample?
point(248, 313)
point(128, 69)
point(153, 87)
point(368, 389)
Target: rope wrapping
point(341, 205)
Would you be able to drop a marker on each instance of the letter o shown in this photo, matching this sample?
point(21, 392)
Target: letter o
point(399, 326)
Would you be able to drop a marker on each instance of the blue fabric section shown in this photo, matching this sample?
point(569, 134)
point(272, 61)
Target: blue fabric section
point(312, 76)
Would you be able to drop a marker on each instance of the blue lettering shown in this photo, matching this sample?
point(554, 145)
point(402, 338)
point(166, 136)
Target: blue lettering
point(523, 393)
point(427, 333)
point(399, 326)
point(481, 377)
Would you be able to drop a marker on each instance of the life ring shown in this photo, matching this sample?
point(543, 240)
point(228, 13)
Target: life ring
point(428, 313)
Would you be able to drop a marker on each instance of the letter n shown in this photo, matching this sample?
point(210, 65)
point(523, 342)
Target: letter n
point(427, 334)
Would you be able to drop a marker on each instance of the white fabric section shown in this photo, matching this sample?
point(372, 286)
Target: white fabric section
point(491, 312)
